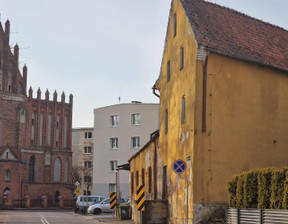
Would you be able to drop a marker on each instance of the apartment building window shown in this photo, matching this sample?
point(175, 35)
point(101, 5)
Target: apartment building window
point(113, 165)
point(181, 57)
point(166, 121)
point(114, 143)
point(87, 164)
point(183, 109)
point(87, 179)
point(87, 150)
point(112, 187)
point(175, 24)
point(168, 71)
point(87, 192)
point(136, 119)
point(114, 120)
point(88, 135)
point(135, 142)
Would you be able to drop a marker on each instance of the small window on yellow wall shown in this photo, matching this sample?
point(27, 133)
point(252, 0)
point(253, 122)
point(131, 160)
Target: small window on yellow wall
point(175, 24)
point(166, 121)
point(168, 71)
point(181, 57)
point(183, 110)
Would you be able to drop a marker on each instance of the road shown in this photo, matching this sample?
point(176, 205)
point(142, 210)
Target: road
point(54, 217)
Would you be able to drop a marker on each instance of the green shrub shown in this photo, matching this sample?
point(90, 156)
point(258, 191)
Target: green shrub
point(232, 186)
point(264, 188)
point(277, 188)
point(240, 191)
point(250, 189)
point(285, 193)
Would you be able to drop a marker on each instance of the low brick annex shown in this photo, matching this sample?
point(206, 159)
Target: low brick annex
point(35, 135)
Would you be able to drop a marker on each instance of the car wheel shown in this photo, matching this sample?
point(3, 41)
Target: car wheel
point(97, 211)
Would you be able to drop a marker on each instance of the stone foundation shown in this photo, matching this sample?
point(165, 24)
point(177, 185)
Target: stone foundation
point(209, 213)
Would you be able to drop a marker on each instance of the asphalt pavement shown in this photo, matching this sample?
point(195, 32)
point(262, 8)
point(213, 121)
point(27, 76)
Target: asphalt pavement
point(56, 217)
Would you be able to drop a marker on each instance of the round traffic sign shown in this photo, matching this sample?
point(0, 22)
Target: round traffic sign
point(179, 166)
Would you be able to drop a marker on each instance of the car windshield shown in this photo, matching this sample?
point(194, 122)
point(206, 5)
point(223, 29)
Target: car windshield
point(106, 201)
point(90, 199)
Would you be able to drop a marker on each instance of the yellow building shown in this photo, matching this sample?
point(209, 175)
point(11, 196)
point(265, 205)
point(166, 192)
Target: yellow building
point(223, 109)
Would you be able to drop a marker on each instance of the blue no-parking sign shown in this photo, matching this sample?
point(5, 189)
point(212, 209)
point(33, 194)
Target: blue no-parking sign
point(179, 166)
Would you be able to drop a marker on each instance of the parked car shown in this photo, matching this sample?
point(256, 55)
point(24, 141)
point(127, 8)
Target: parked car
point(104, 206)
point(83, 201)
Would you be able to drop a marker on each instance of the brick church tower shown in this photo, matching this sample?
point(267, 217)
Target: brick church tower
point(35, 135)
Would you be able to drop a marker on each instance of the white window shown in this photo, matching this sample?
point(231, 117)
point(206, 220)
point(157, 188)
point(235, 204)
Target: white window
point(113, 165)
point(87, 179)
point(136, 119)
point(87, 164)
point(87, 150)
point(135, 142)
point(112, 188)
point(88, 135)
point(114, 143)
point(114, 120)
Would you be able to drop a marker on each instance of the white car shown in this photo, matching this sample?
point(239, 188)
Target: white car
point(85, 201)
point(103, 206)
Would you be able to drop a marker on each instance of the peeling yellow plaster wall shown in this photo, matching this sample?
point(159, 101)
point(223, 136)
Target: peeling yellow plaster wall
point(178, 143)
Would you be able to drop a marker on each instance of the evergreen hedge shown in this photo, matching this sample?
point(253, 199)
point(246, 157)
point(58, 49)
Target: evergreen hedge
point(263, 188)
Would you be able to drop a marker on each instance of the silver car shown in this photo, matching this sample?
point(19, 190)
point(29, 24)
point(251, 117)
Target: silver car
point(103, 206)
point(87, 200)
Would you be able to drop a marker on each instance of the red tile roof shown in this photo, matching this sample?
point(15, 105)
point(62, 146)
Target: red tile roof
point(226, 31)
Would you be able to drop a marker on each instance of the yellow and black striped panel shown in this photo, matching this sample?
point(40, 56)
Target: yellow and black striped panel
point(113, 199)
point(140, 198)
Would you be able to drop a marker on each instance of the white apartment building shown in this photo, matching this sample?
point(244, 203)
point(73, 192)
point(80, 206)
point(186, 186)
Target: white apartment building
point(119, 132)
point(82, 157)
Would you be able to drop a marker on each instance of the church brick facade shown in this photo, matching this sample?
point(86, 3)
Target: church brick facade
point(35, 135)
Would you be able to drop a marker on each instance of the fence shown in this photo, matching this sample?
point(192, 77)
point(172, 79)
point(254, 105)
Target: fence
point(19, 203)
point(256, 216)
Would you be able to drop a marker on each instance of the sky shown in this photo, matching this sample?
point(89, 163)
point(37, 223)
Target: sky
point(100, 50)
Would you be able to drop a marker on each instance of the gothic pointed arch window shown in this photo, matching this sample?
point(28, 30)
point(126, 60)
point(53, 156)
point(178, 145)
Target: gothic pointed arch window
point(10, 76)
point(32, 169)
point(57, 170)
point(7, 175)
point(20, 88)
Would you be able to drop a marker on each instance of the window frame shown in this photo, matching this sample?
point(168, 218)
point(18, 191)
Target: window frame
point(135, 119)
point(87, 162)
point(89, 179)
point(85, 151)
point(114, 123)
point(112, 166)
point(111, 143)
point(137, 141)
point(88, 135)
